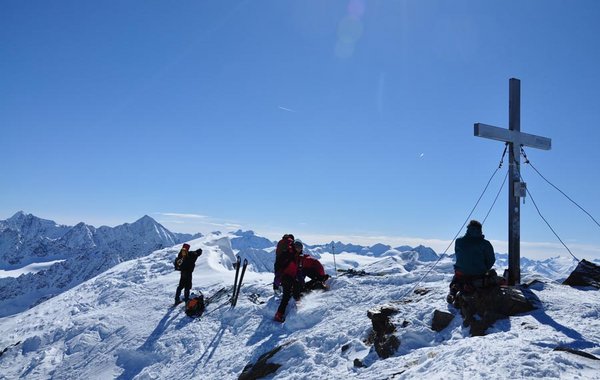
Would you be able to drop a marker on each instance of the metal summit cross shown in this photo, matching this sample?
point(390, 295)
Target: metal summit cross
point(516, 189)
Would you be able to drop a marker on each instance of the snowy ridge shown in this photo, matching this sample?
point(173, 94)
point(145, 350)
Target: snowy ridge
point(119, 324)
point(556, 268)
point(377, 250)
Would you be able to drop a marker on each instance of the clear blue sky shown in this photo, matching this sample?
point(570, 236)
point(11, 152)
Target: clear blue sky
point(327, 119)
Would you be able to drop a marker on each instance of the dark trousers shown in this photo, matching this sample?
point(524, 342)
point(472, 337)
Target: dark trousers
point(185, 282)
point(468, 284)
point(290, 287)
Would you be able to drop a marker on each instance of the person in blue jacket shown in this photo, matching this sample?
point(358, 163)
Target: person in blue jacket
point(474, 258)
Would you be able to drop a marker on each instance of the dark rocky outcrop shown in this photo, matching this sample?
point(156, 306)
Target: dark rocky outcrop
point(585, 274)
point(441, 320)
point(481, 309)
point(384, 340)
point(262, 367)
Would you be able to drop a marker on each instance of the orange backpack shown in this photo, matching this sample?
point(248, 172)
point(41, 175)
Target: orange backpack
point(195, 306)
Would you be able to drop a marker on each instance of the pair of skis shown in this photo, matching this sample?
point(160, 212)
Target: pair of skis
point(236, 288)
point(238, 284)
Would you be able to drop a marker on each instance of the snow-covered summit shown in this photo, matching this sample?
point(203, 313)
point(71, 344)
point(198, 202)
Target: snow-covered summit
point(81, 236)
point(119, 324)
point(248, 239)
point(30, 226)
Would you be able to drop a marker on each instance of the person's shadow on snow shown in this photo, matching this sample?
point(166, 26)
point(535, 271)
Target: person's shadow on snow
point(540, 315)
point(133, 362)
point(212, 346)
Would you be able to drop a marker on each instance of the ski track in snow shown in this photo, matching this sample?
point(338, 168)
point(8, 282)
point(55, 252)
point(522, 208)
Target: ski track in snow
point(121, 325)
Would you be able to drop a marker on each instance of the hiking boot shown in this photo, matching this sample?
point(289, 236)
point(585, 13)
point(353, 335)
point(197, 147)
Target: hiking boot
point(177, 302)
point(467, 322)
point(279, 317)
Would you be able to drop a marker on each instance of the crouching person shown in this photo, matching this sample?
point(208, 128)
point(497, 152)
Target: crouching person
point(313, 269)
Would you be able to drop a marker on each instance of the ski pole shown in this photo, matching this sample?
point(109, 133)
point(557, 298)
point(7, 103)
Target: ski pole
point(237, 271)
point(239, 285)
point(333, 252)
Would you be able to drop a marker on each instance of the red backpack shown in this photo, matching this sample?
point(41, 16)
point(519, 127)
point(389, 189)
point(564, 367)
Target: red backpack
point(284, 252)
point(285, 245)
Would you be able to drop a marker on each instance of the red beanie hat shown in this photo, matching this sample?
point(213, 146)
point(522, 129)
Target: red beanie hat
point(186, 246)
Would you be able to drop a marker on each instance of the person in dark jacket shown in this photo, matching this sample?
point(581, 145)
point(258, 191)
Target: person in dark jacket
point(474, 258)
point(186, 262)
point(288, 271)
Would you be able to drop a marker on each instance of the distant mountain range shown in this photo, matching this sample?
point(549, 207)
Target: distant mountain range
point(254, 247)
point(82, 252)
point(78, 253)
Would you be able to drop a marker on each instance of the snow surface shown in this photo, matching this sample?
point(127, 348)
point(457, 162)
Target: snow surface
point(31, 268)
point(120, 324)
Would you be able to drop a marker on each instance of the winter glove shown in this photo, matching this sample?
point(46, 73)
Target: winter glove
point(199, 251)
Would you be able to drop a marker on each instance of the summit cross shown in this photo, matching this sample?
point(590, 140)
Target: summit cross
point(516, 189)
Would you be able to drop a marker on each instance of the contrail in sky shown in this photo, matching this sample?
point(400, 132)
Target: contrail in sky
point(286, 109)
point(178, 215)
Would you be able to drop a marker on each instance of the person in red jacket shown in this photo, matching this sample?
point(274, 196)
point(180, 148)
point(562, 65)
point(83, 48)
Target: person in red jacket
point(313, 269)
point(288, 270)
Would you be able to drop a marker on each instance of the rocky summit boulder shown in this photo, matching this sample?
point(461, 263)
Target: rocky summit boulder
point(481, 309)
point(585, 274)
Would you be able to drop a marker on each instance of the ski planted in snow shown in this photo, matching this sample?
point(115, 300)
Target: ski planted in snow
point(236, 288)
point(237, 272)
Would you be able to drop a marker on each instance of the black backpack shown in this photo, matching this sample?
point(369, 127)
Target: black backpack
point(195, 306)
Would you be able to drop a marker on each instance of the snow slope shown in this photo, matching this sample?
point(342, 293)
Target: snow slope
point(120, 325)
point(40, 259)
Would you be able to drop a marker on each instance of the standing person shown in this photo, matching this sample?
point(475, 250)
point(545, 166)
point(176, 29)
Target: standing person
point(185, 262)
point(282, 257)
point(289, 272)
point(474, 258)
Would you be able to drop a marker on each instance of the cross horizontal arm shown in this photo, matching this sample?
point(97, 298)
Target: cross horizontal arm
point(506, 135)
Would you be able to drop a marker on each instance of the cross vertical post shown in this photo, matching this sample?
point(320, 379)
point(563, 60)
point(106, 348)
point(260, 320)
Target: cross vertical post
point(514, 206)
point(516, 189)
